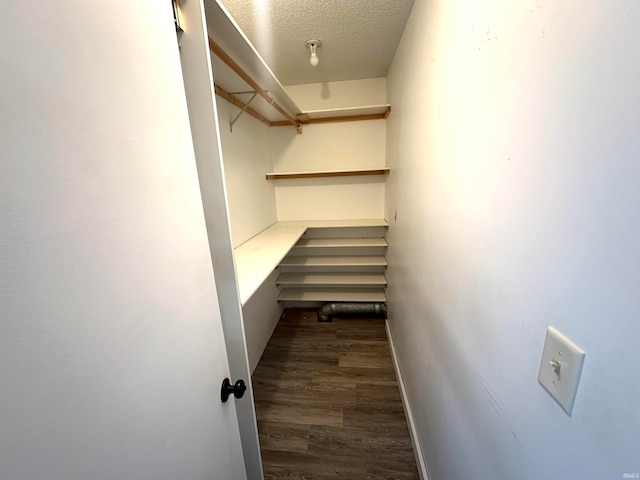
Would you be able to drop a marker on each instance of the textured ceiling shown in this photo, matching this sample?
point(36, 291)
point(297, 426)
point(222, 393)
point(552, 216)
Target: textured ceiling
point(359, 37)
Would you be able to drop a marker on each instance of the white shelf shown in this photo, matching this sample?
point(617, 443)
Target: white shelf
point(365, 110)
point(259, 256)
point(341, 261)
point(307, 247)
point(332, 279)
point(333, 295)
point(327, 173)
point(358, 223)
point(311, 243)
point(226, 33)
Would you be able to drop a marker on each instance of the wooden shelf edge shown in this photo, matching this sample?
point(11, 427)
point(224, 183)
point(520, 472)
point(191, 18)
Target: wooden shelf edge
point(334, 173)
point(348, 118)
point(372, 108)
point(226, 58)
point(306, 119)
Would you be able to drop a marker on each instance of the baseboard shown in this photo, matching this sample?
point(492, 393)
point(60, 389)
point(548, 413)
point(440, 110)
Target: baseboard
point(417, 450)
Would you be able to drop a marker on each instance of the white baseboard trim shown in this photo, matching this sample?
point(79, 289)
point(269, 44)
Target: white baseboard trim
point(417, 450)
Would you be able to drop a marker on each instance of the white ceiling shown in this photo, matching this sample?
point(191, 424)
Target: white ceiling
point(359, 37)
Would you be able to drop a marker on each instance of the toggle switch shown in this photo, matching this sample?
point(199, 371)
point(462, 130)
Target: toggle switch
point(560, 368)
point(556, 367)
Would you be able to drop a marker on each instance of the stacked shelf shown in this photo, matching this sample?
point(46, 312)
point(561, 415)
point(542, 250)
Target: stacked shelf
point(335, 265)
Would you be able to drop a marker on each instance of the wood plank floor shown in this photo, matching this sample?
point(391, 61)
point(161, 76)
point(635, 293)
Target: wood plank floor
point(328, 404)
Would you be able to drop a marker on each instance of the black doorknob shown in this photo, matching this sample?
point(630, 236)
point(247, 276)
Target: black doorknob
point(237, 389)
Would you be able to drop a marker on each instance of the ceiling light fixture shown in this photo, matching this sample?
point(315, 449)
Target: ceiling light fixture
point(313, 47)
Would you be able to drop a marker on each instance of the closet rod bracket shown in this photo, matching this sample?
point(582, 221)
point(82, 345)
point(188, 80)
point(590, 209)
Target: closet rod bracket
point(242, 110)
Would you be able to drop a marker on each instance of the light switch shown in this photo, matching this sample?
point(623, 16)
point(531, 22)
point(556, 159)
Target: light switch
point(560, 368)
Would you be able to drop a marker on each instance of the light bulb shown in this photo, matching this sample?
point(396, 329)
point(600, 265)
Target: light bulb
point(313, 45)
point(314, 60)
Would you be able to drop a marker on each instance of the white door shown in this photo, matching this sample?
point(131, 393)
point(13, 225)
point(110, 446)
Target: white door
point(201, 99)
point(111, 345)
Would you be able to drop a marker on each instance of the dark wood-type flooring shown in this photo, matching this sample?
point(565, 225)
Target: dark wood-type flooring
point(328, 404)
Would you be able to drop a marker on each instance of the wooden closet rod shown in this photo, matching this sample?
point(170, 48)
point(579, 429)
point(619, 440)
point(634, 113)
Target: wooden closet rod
point(222, 55)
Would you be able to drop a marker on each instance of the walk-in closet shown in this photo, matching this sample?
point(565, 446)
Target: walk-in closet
point(300, 182)
point(331, 239)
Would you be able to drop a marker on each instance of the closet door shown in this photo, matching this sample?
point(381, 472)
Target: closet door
point(201, 99)
point(111, 345)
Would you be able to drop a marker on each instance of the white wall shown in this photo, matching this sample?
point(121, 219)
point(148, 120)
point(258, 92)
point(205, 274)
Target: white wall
point(514, 148)
point(328, 95)
point(331, 146)
point(342, 198)
point(252, 208)
point(111, 348)
point(247, 157)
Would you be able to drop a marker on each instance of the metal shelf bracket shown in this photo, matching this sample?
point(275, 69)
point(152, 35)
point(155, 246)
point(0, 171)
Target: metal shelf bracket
point(243, 108)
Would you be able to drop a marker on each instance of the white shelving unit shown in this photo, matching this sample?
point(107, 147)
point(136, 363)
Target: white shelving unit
point(346, 260)
point(331, 260)
point(326, 265)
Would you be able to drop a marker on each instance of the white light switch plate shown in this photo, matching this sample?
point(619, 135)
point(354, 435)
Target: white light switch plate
point(560, 368)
